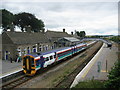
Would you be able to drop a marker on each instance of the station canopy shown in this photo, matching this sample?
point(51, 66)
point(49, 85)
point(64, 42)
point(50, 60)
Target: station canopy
point(71, 39)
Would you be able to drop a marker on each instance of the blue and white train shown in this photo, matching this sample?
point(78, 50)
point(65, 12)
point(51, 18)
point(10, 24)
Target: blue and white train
point(34, 62)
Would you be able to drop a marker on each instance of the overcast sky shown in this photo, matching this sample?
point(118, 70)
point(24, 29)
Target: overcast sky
point(95, 18)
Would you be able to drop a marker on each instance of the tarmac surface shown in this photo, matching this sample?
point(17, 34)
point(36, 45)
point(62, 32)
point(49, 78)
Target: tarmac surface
point(9, 68)
point(99, 66)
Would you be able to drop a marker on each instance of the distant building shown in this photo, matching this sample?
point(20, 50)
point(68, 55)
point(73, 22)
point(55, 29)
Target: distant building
point(55, 35)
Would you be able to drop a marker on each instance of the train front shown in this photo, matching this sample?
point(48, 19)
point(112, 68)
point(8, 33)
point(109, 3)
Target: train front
point(29, 65)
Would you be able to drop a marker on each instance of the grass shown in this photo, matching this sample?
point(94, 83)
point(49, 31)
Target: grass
point(90, 84)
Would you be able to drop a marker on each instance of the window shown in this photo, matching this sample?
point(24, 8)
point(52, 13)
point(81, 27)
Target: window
point(34, 49)
point(51, 57)
point(46, 48)
point(40, 49)
point(28, 50)
point(54, 56)
point(37, 63)
point(46, 59)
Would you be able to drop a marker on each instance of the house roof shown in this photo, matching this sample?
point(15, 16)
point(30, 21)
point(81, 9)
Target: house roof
point(71, 39)
point(55, 35)
point(27, 38)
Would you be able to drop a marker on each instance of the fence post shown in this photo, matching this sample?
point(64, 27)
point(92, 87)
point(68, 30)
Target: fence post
point(106, 65)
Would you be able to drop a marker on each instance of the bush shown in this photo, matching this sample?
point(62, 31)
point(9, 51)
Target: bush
point(114, 77)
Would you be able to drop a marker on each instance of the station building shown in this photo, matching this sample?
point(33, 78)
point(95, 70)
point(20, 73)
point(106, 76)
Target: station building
point(21, 43)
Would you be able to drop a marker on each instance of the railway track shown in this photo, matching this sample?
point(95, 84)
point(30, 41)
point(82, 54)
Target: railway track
point(23, 78)
point(67, 81)
point(16, 82)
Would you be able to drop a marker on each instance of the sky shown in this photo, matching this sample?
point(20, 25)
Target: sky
point(95, 17)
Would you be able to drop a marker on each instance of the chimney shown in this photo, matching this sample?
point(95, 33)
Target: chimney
point(71, 33)
point(63, 29)
point(12, 27)
point(28, 28)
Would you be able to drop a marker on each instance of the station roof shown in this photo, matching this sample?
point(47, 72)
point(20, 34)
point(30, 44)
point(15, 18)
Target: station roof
point(27, 38)
point(69, 39)
point(55, 35)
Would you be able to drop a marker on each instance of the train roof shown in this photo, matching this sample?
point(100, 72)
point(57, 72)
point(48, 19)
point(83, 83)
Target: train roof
point(47, 52)
point(50, 51)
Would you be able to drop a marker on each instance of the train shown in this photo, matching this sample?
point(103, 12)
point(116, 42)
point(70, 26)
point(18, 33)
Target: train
point(36, 61)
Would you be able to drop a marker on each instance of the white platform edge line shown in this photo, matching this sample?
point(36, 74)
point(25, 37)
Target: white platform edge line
point(10, 73)
point(76, 80)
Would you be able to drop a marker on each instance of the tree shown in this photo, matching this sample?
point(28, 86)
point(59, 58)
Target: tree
point(114, 77)
point(81, 33)
point(26, 19)
point(7, 19)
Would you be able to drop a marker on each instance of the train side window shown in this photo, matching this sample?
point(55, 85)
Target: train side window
point(51, 57)
point(46, 59)
point(54, 56)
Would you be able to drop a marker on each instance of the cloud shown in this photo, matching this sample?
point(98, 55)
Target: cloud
point(93, 17)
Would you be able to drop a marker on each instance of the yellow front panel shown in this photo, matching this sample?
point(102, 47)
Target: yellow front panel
point(27, 64)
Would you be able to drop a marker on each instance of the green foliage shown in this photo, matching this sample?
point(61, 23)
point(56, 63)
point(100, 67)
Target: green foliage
point(115, 38)
point(81, 33)
point(21, 20)
point(90, 84)
point(25, 19)
point(114, 77)
point(7, 19)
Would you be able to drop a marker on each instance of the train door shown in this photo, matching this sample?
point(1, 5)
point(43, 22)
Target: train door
point(28, 64)
point(73, 50)
point(49, 59)
point(55, 57)
point(46, 61)
point(42, 61)
point(52, 59)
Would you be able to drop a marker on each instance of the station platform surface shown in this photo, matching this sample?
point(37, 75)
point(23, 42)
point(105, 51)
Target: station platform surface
point(9, 68)
point(99, 66)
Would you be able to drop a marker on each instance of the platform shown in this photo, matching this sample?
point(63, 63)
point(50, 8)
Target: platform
point(99, 65)
point(9, 68)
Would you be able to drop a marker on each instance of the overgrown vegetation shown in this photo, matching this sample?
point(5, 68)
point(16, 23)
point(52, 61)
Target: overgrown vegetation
point(114, 77)
point(112, 82)
point(90, 84)
point(115, 38)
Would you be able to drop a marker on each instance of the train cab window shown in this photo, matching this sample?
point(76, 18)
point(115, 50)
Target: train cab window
point(51, 57)
point(46, 59)
point(24, 61)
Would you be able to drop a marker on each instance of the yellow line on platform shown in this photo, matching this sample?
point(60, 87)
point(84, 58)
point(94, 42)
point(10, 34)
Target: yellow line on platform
point(89, 67)
point(94, 58)
point(104, 71)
